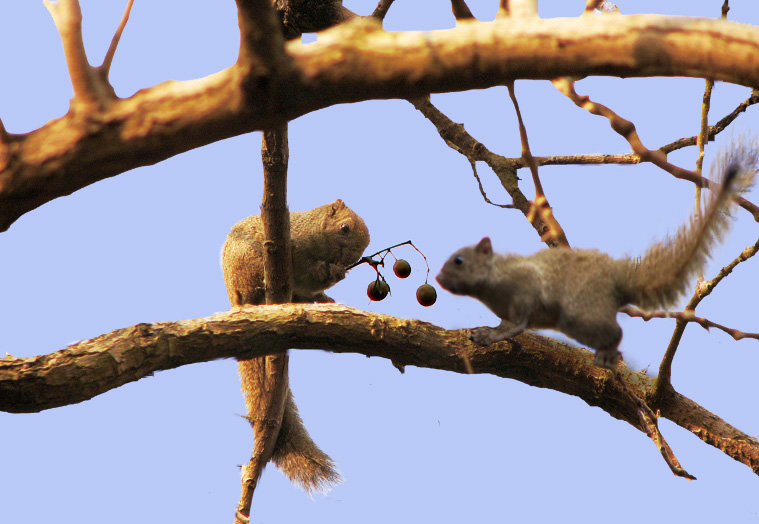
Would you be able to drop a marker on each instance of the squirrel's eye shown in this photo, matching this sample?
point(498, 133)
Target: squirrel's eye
point(458, 260)
point(345, 228)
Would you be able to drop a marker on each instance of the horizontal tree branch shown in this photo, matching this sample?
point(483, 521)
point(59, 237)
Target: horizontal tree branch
point(95, 366)
point(349, 63)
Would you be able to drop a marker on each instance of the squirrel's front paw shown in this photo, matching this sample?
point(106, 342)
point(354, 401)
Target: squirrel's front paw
point(485, 335)
point(607, 358)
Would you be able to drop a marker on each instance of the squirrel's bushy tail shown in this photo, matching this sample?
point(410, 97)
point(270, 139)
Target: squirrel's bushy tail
point(663, 273)
point(298, 457)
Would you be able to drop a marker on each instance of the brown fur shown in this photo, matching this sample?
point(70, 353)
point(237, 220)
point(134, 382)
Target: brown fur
point(325, 240)
point(579, 292)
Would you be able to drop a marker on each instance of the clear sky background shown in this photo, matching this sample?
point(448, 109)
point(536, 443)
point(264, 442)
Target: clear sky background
point(426, 446)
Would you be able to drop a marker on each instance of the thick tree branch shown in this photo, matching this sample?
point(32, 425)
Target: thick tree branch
point(95, 366)
point(278, 277)
point(356, 61)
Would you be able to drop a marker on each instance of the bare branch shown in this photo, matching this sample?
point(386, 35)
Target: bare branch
point(105, 67)
point(278, 275)
point(663, 381)
point(651, 427)
point(381, 10)
point(687, 316)
point(95, 366)
point(482, 189)
point(460, 10)
point(89, 91)
point(632, 158)
point(352, 62)
point(626, 129)
point(715, 129)
point(457, 138)
point(540, 209)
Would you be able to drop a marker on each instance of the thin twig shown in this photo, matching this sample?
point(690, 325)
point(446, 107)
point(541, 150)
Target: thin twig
point(650, 425)
point(701, 143)
point(663, 382)
point(626, 129)
point(460, 10)
point(540, 206)
point(105, 67)
point(381, 10)
point(633, 158)
point(714, 130)
point(687, 316)
point(457, 138)
point(4, 138)
point(482, 189)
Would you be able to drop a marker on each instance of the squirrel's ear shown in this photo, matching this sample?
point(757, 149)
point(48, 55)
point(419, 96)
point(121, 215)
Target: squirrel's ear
point(336, 206)
point(485, 247)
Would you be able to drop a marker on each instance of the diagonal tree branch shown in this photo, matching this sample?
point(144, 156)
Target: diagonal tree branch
point(382, 8)
point(105, 68)
point(663, 386)
point(95, 366)
point(460, 10)
point(540, 209)
point(627, 130)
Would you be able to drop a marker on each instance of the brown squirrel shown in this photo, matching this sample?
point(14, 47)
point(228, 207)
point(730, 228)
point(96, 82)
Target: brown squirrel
point(579, 292)
point(324, 241)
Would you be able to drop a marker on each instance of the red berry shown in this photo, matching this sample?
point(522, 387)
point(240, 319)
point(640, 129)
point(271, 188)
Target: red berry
point(426, 295)
point(377, 290)
point(401, 268)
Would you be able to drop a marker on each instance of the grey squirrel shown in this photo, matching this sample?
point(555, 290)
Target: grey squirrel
point(579, 291)
point(325, 240)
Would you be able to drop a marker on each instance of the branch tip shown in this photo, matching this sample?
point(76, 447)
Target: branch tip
point(105, 67)
point(381, 10)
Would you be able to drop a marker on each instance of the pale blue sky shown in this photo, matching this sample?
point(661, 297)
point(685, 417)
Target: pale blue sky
point(427, 446)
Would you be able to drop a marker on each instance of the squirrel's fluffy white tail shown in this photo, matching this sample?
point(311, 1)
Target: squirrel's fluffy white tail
point(663, 273)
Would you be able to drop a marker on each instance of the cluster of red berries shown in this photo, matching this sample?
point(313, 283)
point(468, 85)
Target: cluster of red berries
point(378, 289)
